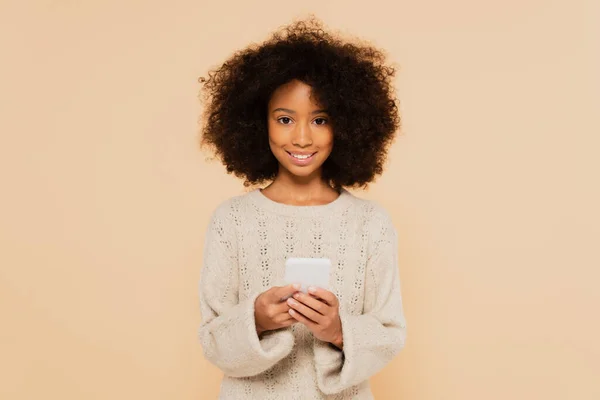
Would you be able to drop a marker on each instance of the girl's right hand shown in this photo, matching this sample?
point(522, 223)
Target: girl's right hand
point(271, 308)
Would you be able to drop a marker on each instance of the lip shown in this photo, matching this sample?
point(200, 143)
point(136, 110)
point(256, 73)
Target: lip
point(297, 161)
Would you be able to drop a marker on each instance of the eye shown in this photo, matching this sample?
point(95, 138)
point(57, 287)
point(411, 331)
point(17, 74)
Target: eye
point(321, 121)
point(285, 120)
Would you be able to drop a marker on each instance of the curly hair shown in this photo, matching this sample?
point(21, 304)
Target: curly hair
point(348, 78)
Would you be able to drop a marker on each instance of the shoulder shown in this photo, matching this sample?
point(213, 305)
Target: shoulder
point(376, 223)
point(234, 204)
point(229, 211)
point(371, 212)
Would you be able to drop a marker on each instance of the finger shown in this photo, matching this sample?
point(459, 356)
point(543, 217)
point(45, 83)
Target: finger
point(281, 318)
point(302, 319)
point(317, 305)
point(305, 311)
point(281, 293)
point(288, 322)
point(324, 295)
point(281, 308)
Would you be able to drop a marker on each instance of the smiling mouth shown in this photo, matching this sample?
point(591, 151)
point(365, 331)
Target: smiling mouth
point(301, 157)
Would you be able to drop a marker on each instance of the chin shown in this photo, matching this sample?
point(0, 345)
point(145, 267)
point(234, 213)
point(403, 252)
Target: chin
point(300, 171)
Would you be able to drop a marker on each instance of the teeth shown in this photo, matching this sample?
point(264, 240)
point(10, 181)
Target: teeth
point(301, 157)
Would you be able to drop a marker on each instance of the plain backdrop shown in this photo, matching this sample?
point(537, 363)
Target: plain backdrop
point(493, 185)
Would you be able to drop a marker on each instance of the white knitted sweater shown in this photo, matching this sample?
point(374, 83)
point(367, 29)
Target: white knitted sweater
point(247, 242)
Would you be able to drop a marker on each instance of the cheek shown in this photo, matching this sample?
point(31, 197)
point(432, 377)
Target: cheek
point(326, 142)
point(276, 137)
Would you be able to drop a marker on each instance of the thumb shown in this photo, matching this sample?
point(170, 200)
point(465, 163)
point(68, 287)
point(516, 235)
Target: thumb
point(283, 292)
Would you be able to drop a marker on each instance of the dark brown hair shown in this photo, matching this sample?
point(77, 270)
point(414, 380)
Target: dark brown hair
point(348, 78)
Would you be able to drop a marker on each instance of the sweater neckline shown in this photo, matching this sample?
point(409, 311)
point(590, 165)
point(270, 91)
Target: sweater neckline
point(297, 210)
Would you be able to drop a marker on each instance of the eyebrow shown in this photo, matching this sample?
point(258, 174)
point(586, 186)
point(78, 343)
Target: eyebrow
point(287, 110)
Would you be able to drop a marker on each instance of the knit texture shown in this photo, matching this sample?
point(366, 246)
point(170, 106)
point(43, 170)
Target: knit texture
point(248, 240)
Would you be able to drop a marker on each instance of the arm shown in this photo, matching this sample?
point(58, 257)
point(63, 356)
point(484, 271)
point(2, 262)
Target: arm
point(374, 338)
point(228, 332)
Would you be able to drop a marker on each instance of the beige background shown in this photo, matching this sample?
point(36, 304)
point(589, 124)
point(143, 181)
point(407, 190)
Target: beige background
point(493, 187)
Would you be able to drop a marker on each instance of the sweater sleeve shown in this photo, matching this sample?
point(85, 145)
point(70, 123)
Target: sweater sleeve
point(227, 331)
point(375, 337)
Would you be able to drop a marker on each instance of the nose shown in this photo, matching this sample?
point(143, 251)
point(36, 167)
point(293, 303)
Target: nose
point(302, 136)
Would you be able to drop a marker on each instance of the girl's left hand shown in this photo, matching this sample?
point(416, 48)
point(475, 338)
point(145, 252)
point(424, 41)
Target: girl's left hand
point(319, 311)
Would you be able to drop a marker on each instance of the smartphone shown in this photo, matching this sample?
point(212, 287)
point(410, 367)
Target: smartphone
point(308, 272)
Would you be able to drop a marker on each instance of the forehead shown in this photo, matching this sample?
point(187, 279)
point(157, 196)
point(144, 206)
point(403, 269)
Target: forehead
point(294, 94)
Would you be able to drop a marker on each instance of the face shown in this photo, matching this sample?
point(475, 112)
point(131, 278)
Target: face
point(300, 131)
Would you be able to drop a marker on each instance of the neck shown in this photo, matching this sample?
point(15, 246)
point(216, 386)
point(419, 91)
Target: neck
point(297, 189)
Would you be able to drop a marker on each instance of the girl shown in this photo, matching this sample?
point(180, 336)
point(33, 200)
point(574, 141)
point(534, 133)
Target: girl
point(310, 114)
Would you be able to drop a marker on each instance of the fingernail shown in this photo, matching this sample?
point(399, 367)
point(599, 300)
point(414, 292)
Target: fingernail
point(296, 286)
point(312, 289)
point(291, 302)
point(296, 295)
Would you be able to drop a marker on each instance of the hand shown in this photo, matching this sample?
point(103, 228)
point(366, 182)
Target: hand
point(271, 309)
point(319, 311)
